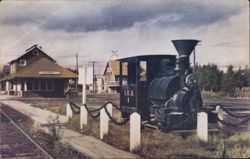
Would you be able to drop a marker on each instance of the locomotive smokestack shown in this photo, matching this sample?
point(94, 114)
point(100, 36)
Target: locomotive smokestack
point(184, 48)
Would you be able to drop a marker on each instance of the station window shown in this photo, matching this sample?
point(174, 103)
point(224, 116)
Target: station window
point(124, 73)
point(22, 62)
point(49, 85)
point(22, 86)
point(35, 85)
point(143, 70)
point(29, 85)
point(35, 52)
point(132, 72)
point(43, 84)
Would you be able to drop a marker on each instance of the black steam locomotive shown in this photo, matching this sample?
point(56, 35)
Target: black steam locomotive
point(162, 88)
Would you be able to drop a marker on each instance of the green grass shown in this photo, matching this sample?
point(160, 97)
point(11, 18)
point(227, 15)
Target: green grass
point(156, 144)
point(242, 94)
point(164, 145)
point(53, 106)
point(208, 94)
point(55, 147)
point(239, 145)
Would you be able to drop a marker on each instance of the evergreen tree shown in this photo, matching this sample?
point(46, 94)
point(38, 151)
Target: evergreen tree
point(228, 81)
point(247, 76)
point(209, 77)
point(240, 79)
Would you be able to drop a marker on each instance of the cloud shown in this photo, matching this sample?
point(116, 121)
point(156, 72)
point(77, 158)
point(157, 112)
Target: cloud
point(96, 16)
point(227, 44)
point(132, 28)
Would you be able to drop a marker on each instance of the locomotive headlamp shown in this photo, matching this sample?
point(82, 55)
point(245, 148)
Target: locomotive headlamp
point(190, 80)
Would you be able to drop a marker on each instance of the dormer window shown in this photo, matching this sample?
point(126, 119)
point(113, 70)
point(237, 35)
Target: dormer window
point(35, 52)
point(22, 62)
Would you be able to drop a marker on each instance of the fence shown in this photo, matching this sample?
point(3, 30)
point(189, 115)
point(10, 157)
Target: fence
point(106, 110)
point(105, 114)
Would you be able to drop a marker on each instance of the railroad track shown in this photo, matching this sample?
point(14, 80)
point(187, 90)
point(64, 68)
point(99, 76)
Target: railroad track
point(15, 142)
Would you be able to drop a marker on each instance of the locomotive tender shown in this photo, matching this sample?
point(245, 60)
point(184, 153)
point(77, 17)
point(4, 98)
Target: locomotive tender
point(161, 88)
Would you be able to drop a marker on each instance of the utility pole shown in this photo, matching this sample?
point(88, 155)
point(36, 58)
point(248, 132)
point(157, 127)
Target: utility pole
point(93, 63)
point(194, 61)
point(77, 63)
point(77, 71)
point(194, 70)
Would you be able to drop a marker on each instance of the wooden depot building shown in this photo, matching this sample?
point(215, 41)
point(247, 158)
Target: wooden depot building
point(36, 74)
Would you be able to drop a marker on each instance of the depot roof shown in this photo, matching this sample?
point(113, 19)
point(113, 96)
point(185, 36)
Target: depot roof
point(42, 68)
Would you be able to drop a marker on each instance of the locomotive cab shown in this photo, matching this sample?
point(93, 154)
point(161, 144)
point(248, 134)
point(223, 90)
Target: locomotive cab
point(141, 71)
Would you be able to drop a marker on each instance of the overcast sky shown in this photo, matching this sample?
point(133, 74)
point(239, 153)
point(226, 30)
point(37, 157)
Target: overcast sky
point(94, 28)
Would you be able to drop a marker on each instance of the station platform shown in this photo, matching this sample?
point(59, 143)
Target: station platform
point(88, 145)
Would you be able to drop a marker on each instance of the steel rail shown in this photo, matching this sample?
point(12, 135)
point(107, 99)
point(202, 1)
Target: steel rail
point(25, 134)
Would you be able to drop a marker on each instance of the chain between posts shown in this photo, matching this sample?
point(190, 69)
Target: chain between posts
point(113, 120)
point(234, 115)
point(73, 106)
point(228, 112)
point(245, 118)
point(242, 122)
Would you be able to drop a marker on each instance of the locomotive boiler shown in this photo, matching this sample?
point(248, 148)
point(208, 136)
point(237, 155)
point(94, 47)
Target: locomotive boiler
point(162, 88)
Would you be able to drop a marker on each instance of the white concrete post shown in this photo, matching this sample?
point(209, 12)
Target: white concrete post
point(69, 112)
point(104, 123)
point(83, 117)
point(202, 126)
point(84, 80)
point(219, 112)
point(135, 131)
point(109, 108)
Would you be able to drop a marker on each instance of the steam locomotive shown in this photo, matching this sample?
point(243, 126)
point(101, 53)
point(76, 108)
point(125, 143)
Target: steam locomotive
point(162, 88)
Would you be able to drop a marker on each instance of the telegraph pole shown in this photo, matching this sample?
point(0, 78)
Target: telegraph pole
point(93, 76)
point(194, 53)
point(194, 61)
point(77, 63)
point(77, 71)
point(93, 63)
